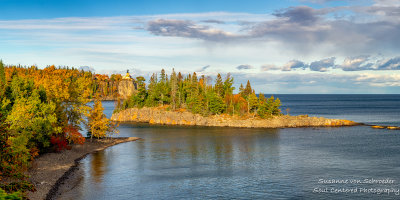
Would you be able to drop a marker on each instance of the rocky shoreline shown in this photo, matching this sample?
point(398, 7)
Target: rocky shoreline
point(162, 116)
point(50, 170)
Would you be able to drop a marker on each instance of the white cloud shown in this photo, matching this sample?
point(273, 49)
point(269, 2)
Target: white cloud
point(300, 39)
point(379, 80)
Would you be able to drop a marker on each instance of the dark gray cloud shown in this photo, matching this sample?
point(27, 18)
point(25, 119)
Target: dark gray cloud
point(323, 65)
point(392, 11)
point(294, 64)
point(356, 63)
point(391, 64)
point(213, 21)
point(303, 29)
point(240, 67)
point(188, 29)
point(301, 14)
point(360, 63)
point(203, 68)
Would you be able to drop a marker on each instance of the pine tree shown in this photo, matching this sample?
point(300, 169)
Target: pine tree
point(152, 91)
point(180, 77)
point(163, 76)
point(261, 98)
point(174, 88)
point(2, 79)
point(241, 90)
point(139, 98)
point(252, 103)
point(228, 89)
point(216, 104)
point(247, 91)
point(219, 86)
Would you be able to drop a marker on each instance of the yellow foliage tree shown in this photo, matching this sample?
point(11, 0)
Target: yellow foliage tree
point(99, 125)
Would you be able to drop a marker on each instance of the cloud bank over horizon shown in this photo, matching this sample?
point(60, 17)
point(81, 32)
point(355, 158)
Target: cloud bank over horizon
point(312, 45)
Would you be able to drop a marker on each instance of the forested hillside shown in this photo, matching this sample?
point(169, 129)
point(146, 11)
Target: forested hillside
point(42, 110)
point(200, 96)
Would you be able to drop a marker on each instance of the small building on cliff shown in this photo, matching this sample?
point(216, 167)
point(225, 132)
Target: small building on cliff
point(127, 87)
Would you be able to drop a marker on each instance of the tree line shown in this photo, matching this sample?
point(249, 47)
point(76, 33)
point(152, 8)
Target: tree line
point(199, 96)
point(42, 110)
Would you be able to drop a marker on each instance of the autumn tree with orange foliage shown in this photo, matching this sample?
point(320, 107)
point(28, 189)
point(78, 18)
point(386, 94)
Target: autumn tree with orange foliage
point(40, 110)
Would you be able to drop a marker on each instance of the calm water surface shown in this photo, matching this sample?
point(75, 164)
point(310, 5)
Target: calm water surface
point(172, 162)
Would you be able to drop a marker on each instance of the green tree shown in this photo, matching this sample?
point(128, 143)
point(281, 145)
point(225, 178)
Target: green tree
point(219, 86)
point(252, 103)
point(12, 196)
point(228, 89)
point(269, 108)
point(247, 90)
point(174, 89)
point(241, 90)
point(2, 79)
point(261, 98)
point(216, 104)
point(152, 99)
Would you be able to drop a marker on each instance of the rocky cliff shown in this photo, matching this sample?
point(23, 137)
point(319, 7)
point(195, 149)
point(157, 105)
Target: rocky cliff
point(126, 88)
point(160, 116)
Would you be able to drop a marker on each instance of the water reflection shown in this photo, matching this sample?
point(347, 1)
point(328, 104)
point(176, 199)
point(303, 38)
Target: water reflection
point(98, 167)
point(227, 163)
point(179, 157)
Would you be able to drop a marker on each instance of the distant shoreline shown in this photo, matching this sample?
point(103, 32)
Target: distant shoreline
point(50, 170)
point(164, 117)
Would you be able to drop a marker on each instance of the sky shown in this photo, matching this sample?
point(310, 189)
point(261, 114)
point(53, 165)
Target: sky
point(282, 47)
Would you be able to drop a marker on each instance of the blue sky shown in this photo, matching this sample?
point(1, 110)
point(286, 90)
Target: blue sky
point(42, 9)
point(292, 46)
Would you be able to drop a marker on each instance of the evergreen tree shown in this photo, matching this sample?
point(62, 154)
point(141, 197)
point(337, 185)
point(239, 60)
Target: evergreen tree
point(261, 98)
point(180, 77)
point(247, 91)
point(174, 89)
point(162, 90)
point(219, 86)
point(152, 99)
point(163, 76)
point(228, 89)
point(216, 104)
point(139, 98)
point(252, 103)
point(2, 79)
point(241, 90)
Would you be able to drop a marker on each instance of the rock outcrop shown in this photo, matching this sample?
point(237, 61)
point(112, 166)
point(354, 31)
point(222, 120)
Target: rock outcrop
point(160, 116)
point(126, 88)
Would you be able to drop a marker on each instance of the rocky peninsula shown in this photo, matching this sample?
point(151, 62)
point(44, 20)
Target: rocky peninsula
point(165, 117)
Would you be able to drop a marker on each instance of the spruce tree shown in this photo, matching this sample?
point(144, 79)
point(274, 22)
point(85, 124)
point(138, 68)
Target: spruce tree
point(219, 87)
point(2, 78)
point(241, 90)
point(174, 88)
point(247, 91)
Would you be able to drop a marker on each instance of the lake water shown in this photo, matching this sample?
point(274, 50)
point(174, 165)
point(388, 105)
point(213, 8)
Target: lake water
point(172, 162)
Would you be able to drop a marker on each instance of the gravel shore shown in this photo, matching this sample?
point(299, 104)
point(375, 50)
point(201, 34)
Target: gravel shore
point(50, 170)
